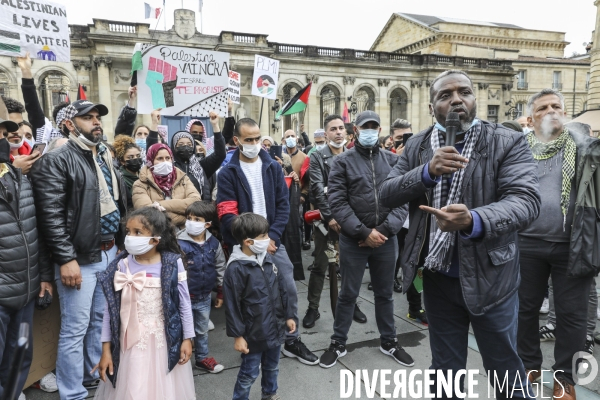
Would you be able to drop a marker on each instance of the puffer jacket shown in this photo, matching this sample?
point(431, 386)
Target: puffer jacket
point(65, 185)
point(500, 184)
point(353, 193)
point(584, 255)
point(319, 168)
point(256, 301)
point(145, 192)
point(23, 258)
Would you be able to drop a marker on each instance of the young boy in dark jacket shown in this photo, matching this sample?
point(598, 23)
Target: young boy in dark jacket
point(205, 269)
point(257, 306)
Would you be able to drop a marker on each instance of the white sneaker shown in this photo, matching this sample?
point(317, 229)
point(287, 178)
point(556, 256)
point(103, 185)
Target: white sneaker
point(211, 326)
point(22, 396)
point(48, 383)
point(545, 309)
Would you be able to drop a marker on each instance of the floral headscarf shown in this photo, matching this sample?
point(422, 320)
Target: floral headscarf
point(165, 183)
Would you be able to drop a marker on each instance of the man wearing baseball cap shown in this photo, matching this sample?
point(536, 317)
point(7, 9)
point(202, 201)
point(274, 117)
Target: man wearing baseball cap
point(81, 227)
point(366, 236)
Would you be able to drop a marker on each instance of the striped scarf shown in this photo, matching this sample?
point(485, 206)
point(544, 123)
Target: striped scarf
point(441, 243)
point(544, 151)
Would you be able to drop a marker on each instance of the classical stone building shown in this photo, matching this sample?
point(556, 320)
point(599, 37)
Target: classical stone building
point(507, 64)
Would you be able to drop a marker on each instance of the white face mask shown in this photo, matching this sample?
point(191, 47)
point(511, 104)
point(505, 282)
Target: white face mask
point(260, 246)
point(15, 146)
point(320, 147)
point(195, 228)
point(163, 169)
point(526, 130)
point(337, 145)
point(250, 150)
point(138, 245)
point(29, 142)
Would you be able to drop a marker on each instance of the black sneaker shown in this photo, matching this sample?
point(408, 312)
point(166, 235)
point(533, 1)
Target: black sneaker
point(394, 350)
point(547, 333)
point(419, 316)
point(330, 357)
point(397, 286)
point(359, 316)
point(306, 246)
point(589, 347)
point(310, 318)
point(92, 384)
point(311, 266)
point(299, 350)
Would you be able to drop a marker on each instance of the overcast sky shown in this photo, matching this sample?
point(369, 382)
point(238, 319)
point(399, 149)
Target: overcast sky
point(345, 24)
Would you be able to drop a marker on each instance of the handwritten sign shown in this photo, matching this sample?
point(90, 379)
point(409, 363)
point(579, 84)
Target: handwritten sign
point(266, 76)
point(37, 27)
point(182, 81)
point(46, 327)
point(234, 86)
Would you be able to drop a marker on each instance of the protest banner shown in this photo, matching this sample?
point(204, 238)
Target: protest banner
point(181, 80)
point(266, 76)
point(46, 327)
point(234, 86)
point(37, 27)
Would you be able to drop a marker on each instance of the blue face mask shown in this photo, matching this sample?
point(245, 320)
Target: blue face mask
point(368, 137)
point(290, 142)
point(141, 143)
point(320, 147)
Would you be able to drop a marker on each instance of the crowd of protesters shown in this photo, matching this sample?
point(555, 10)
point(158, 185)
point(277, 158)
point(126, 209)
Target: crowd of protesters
point(140, 237)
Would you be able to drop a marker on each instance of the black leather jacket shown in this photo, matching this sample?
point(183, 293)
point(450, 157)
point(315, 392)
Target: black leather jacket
point(319, 167)
point(65, 184)
point(500, 184)
point(353, 185)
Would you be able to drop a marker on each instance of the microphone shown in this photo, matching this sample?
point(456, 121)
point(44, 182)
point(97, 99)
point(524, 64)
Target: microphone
point(452, 126)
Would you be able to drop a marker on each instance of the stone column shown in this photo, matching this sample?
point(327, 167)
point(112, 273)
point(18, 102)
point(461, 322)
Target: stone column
point(594, 88)
point(384, 105)
point(103, 65)
point(482, 100)
point(425, 119)
point(416, 105)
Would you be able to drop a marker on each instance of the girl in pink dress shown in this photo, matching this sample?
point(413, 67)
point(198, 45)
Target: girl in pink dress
point(148, 324)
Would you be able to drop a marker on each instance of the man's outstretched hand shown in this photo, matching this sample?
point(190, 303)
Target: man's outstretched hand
point(455, 217)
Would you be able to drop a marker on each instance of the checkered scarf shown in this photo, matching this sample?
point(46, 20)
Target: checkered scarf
point(544, 151)
point(441, 244)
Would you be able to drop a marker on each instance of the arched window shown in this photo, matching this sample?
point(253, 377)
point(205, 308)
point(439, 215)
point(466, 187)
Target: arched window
point(54, 89)
point(365, 100)
point(291, 121)
point(398, 102)
point(330, 102)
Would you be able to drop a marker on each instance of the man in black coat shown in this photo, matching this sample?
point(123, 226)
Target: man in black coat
point(367, 236)
point(466, 204)
point(25, 271)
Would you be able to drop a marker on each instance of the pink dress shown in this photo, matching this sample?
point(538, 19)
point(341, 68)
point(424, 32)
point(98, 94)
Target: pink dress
point(143, 366)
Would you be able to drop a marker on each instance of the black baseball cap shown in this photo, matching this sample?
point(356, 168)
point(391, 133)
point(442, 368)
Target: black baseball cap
point(367, 116)
point(9, 125)
point(82, 107)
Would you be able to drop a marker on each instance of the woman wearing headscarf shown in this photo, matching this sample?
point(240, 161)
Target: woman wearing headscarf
point(128, 155)
point(164, 184)
point(200, 170)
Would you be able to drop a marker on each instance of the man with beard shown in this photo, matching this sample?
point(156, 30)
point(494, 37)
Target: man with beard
point(79, 198)
point(562, 243)
point(19, 148)
point(466, 204)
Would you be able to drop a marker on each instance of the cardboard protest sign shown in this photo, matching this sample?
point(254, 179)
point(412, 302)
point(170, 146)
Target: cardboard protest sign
point(37, 27)
point(266, 76)
point(46, 327)
point(181, 80)
point(234, 86)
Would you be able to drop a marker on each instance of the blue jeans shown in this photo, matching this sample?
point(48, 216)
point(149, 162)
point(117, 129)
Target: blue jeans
point(10, 321)
point(495, 332)
point(201, 313)
point(285, 266)
point(79, 345)
point(268, 361)
point(382, 266)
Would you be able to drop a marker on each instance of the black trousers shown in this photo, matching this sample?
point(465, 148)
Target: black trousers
point(539, 260)
point(413, 297)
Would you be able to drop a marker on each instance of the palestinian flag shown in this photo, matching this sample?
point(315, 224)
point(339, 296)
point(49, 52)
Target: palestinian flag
point(81, 93)
point(297, 103)
point(10, 42)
